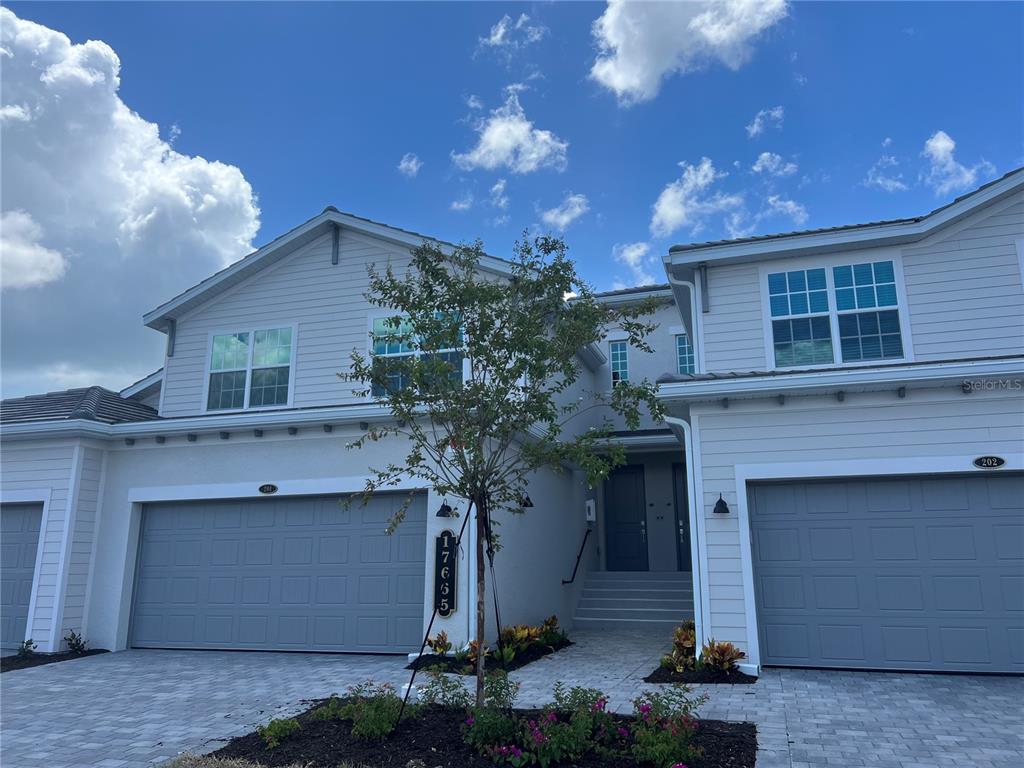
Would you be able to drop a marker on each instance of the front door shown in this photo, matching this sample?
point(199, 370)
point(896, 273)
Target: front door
point(682, 516)
point(626, 519)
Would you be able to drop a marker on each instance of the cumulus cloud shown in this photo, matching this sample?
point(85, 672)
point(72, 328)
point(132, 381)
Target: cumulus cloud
point(636, 257)
point(102, 218)
point(640, 44)
point(765, 118)
point(410, 164)
point(944, 173)
point(770, 164)
point(566, 212)
point(508, 139)
point(689, 200)
point(508, 36)
point(463, 203)
point(499, 197)
point(884, 174)
point(795, 211)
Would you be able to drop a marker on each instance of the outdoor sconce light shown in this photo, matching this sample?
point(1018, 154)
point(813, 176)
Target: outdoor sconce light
point(721, 507)
point(526, 502)
point(445, 510)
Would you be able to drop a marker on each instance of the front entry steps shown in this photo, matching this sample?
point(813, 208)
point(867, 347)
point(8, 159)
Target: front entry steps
point(635, 599)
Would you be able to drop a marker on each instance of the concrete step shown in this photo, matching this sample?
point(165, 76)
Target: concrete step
point(640, 576)
point(654, 627)
point(608, 603)
point(639, 589)
point(620, 593)
point(671, 615)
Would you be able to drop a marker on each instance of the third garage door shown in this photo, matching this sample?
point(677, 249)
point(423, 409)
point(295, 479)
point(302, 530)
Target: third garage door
point(922, 573)
point(281, 574)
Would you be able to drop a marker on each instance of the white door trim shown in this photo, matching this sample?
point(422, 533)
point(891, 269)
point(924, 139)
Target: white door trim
point(811, 470)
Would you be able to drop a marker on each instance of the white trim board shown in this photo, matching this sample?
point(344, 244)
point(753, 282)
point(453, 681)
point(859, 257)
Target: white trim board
point(811, 470)
point(307, 487)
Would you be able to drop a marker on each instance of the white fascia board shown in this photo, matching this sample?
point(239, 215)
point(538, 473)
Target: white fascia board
point(156, 377)
point(816, 380)
point(862, 237)
point(592, 357)
point(633, 298)
point(227, 422)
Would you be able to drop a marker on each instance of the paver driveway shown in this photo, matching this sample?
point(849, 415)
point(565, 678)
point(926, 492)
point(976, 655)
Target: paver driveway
point(137, 708)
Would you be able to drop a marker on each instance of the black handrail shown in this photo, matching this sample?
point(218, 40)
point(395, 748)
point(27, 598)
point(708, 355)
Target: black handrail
point(577, 567)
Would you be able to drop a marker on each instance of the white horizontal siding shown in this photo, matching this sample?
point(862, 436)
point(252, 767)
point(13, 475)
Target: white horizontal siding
point(815, 429)
point(83, 531)
point(964, 289)
point(733, 327)
point(325, 301)
point(32, 467)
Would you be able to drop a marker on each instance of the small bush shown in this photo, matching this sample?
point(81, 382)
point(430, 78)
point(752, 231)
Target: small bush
point(506, 654)
point(720, 656)
point(520, 637)
point(664, 726)
point(331, 710)
point(373, 710)
point(274, 732)
point(27, 649)
point(444, 690)
point(499, 691)
point(576, 698)
point(76, 643)
point(489, 729)
point(440, 644)
point(473, 651)
point(684, 646)
point(551, 634)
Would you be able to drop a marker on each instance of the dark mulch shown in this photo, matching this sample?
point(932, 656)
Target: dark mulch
point(449, 664)
point(663, 675)
point(436, 738)
point(10, 663)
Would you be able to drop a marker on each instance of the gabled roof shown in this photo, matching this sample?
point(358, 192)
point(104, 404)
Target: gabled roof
point(87, 403)
point(284, 245)
point(145, 386)
point(878, 233)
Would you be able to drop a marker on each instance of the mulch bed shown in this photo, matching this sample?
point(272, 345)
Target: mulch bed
point(435, 737)
point(10, 663)
point(693, 676)
point(449, 664)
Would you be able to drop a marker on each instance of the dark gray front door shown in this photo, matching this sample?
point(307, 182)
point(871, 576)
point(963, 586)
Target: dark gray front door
point(281, 574)
point(921, 573)
point(626, 519)
point(19, 543)
point(682, 516)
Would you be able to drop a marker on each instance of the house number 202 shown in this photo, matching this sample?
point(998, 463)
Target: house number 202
point(445, 559)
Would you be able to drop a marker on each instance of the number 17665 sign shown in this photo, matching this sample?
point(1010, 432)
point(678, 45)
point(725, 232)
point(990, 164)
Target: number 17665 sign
point(445, 557)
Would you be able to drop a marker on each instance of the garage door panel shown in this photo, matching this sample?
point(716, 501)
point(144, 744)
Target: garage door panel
point(278, 574)
point(937, 585)
point(19, 529)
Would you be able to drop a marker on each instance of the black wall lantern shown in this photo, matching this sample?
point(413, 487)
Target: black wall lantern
point(445, 510)
point(721, 507)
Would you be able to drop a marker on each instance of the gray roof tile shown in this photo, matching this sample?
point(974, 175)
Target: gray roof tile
point(89, 403)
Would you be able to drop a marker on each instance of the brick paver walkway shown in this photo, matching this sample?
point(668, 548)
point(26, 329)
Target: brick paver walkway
point(137, 708)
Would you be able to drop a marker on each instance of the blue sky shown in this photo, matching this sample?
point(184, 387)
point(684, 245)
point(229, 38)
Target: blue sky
point(868, 111)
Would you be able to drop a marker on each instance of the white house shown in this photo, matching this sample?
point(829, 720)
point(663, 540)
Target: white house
point(839, 484)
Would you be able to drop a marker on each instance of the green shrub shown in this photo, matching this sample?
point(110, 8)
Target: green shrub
point(489, 729)
point(553, 741)
point(27, 649)
point(373, 710)
point(444, 690)
point(330, 710)
point(551, 634)
point(684, 647)
point(587, 708)
point(274, 732)
point(505, 654)
point(664, 726)
point(576, 698)
point(440, 644)
point(76, 643)
point(499, 691)
point(721, 656)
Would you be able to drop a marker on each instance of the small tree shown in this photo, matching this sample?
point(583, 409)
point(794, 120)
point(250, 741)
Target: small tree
point(480, 375)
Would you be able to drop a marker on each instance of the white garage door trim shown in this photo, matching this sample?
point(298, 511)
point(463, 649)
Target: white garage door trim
point(33, 496)
point(811, 470)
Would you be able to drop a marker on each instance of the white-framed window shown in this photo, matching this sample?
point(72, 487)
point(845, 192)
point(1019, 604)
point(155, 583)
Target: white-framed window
point(250, 369)
point(618, 357)
point(841, 313)
point(684, 354)
point(391, 337)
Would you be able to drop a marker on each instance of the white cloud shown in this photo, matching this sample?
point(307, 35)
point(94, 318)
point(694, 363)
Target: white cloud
point(688, 201)
point(771, 164)
point(783, 207)
point(764, 118)
point(799, 79)
point(24, 261)
point(566, 212)
point(635, 257)
point(508, 36)
point(642, 43)
point(499, 198)
point(945, 174)
point(464, 203)
point(887, 142)
point(741, 223)
point(410, 164)
point(130, 220)
point(883, 174)
point(473, 102)
point(508, 139)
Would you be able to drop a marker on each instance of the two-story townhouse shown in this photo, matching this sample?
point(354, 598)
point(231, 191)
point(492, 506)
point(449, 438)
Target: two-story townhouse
point(829, 392)
point(854, 426)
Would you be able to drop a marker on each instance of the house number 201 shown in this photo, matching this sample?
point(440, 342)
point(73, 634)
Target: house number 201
point(445, 559)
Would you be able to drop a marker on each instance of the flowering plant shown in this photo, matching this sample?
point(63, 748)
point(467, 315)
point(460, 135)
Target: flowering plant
point(664, 727)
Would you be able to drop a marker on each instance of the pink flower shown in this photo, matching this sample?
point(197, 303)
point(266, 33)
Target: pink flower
point(599, 705)
point(552, 717)
point(470, 721)
point(679, 765)
point(623, 733)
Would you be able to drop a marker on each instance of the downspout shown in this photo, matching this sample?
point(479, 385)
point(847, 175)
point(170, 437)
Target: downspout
point(701, 615)
point(696, 339)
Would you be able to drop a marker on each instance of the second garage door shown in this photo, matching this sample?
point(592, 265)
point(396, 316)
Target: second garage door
point(19, 542)
point(922, 573)
point(281, 574)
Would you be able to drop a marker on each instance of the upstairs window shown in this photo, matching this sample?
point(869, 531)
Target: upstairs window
point(852, 307)
point(392, 338)
point(250, 369)
point(619, 361)
point(684, 354)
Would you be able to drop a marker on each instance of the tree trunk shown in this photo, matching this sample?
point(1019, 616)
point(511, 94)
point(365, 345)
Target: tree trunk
point(481, 620)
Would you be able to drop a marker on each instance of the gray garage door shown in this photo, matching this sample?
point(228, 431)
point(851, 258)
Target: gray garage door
point(281, 574)
point(918, 573)
point(19, 542)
